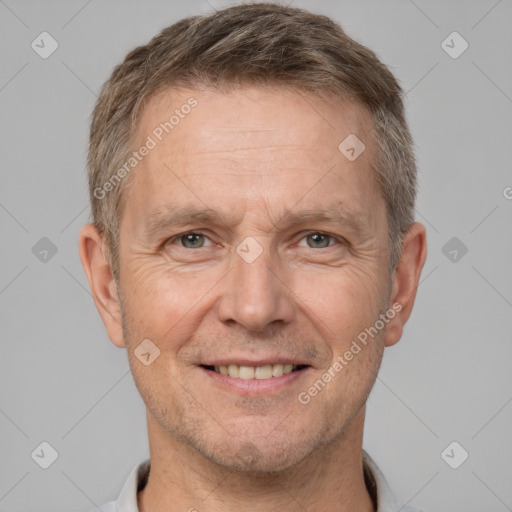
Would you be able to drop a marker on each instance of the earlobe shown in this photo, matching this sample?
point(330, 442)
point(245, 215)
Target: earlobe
point(406, 280)
point(101, 282)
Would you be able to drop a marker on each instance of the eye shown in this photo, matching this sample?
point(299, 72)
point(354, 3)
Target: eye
point(318, 240)
point(191, 240)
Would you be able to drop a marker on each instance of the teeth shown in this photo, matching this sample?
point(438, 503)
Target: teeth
point(246, 372)
point(263, 372)
point(277, 370)
point(255, 372)
point(233, 370)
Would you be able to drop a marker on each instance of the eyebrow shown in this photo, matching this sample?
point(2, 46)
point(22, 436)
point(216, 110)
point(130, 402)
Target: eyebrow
point(336, 214)
point(178, 217)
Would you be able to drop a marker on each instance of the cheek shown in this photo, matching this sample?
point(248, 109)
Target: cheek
point(342, 301)
point(157, 385)
point(156, 293)
point(166, 305)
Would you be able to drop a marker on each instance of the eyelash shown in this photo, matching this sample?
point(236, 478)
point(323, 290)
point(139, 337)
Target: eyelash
point(178, 237)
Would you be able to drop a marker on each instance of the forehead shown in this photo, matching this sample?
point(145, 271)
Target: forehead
point(252, 145)
point(276, 115)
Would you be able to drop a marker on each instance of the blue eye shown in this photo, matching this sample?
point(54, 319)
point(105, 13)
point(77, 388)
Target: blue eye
point(192, 240)
point(318, 240)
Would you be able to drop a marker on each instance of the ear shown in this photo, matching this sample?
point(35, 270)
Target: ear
point(101, 282)
point(405, 280)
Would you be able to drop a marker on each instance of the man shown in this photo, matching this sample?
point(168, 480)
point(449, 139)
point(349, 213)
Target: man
point(254, 249)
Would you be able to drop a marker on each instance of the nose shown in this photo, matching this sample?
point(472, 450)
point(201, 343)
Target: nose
point(256, 294)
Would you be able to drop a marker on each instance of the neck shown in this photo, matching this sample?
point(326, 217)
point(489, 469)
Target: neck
point(329, 479)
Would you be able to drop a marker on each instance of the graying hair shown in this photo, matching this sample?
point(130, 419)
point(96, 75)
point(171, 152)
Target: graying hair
point(254, 44)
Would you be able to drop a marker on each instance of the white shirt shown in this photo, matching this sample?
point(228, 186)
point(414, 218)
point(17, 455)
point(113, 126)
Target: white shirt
point(375, 482)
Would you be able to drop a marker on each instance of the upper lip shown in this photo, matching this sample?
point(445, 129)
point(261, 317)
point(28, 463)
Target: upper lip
point(261, 361)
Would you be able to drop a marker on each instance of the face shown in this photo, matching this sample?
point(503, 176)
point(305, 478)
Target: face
point(253, 253)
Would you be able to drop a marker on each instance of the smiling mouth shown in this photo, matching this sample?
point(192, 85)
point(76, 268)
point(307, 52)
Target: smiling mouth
point(266, 371)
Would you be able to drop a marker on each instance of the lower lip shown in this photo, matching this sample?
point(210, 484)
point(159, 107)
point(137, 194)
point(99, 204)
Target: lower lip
point(255, 386)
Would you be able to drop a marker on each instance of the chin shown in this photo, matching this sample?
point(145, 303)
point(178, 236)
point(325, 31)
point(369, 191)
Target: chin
point(251, 459)
point(258, 455)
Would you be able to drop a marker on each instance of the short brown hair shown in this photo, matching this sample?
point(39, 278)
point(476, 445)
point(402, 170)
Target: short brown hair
point(252, 44)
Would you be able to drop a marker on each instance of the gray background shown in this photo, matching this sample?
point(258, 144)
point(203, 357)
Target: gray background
point(449, 378)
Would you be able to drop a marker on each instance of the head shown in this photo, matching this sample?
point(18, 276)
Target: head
point(252, 187)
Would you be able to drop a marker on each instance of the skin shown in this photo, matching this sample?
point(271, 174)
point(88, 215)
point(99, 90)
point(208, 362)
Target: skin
point(253, 155)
